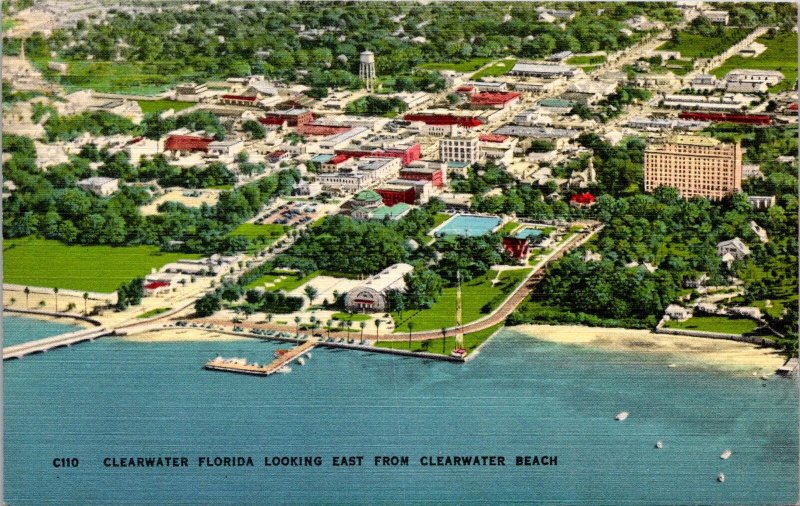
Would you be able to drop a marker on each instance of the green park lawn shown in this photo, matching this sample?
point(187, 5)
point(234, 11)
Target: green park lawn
point(693, 45)
point(289, 283)
point(720, 324)
point(508, 228)
point(48, 263)
point(780, 55)
point(154, 312)
point(498, 68)
point(259, 235)
point(157, 106)
point(596, 59)
point(475, 294)
point(471, 341)
point(464, 66)
point(356, 317)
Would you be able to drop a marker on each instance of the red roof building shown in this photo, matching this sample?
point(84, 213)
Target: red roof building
point(745, 119)
point(518, 248)
point(392, 195)
point(187, 143)
point(292, 117)
point(407, 155)
point(321, 130)
point(444, 119)
point(435, 176)
point(492, 138)
point(793, 106)
point(465, 89)
point(582, 200)
point(497, 99)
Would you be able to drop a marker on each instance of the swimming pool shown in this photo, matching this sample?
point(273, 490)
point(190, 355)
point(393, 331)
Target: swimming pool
point(468, 225)
point(528, 233)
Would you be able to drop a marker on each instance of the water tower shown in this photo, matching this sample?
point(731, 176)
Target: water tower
point(366, 71)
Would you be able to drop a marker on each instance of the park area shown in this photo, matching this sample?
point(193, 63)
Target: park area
point(780, 55)
point(464, 66)
point(158, 106)
point(694, 45)
point(280, 279)
point(480, 297)
point(720, 324)
point(260, 236)
point(47, 263)
point(471, 342)
point(189, 198)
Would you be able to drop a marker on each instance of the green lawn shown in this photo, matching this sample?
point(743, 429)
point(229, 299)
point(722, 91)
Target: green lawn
point(508, 228)
point(153, 312)
point(356, 317)
point(42, 262)
point(693, 45)
point(220, 187)
point(464, 66)
point(8, 23)
point(677, 67)
point(151, 106)
point(781, 55)
point(586, 59)
point(475, 294)
point(289, 283)
point(259, 235)
point(498, 68)
point(471, 341)
point(720, 324)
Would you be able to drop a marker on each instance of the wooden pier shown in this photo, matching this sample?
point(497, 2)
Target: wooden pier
point(263, 370)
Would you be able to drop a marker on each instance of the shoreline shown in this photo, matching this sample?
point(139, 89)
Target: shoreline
point(177, 335)
point(78, 322)
point(680, 351)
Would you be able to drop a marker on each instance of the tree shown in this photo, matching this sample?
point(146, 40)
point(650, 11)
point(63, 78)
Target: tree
point(362, 325)
point(311, 293)
point(55, 292)
point(12, 301)
point(207, 305)
point(297, 325)
point(27, 291)
point(85, 299)
point(328, 325)
point(377, 324)
point(444, 339)
point(269, 318)
point(410, 329)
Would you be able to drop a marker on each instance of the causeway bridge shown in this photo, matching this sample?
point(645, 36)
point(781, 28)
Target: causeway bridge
point(59, 341)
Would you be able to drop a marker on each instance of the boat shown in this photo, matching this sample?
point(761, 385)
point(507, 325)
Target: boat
point(308, 355)
point(458, 353)
point(659, 445)
point(721, 477)
point(726, 454)
point(301, 361)
point(622, 415)
point(285, 369)
point(672, 366)
point(280, 353)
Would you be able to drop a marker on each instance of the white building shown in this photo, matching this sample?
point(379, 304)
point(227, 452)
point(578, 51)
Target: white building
point(102, 186)
point(732, 249)
point(543, 69)
point(226, 148)
point(721, 17)
point(459, 149)
point(371, 295)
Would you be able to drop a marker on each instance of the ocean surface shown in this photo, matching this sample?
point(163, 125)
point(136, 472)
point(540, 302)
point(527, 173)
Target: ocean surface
point(17, 329)
point(116, 399)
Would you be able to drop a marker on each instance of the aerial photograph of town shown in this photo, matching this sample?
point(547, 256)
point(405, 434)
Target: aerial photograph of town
point(323, 252)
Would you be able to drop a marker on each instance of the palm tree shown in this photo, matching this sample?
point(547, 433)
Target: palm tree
point(340, 324)
point(311, 293)
point(85, 299)
point(410, 329)
point(377, 328)
point(27, 294)
point(444, 338)
point(297, 325)
point(55, 291)
point(12, 301)
point(329, 324)
point(269, 318)
point(317, 324)
point(362, 324)
point(42, 303)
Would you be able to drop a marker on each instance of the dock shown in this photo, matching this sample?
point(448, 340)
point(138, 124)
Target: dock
point(790, 368)
point(263, 370)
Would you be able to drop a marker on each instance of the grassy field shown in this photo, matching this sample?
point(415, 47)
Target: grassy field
point(475, 294)
point(464, 66)
point(153, 312)
point(693, 45)
point(42, 262)
point(289, 283)
point(507, 228)
point(498, 68)
point(596, 59)
point(720, 324)
point(471, 341)
point(151, 106)
point(781, 55)
point(353, 317)
point(252, 230)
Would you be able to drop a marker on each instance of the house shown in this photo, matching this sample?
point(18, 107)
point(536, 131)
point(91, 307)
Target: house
point(697, 282)
point(307, 189)
point(721, 17)
point(102, 186)
point(592, 256)
point(752, 171)
point(677, 313)
point(543, 69)
point(190, 92)
point(371, 295)
point(759, 231)
point(183, 144)
point(704, 82)
point(227, 148)
point(761, 202)
point(732, 250)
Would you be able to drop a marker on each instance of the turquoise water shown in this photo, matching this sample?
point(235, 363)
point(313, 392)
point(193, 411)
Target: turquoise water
point(113, 398)
point(468, 225)
point(17, 329)
point(528, 232)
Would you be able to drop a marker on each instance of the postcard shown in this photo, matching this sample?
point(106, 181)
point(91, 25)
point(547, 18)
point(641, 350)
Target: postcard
point(399, 253)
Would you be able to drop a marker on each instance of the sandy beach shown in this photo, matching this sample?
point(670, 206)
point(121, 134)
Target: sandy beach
point(678, 350)
point(181, 335)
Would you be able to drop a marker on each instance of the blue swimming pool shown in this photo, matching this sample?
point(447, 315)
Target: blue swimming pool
point(468, 225)
point(528, 233)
